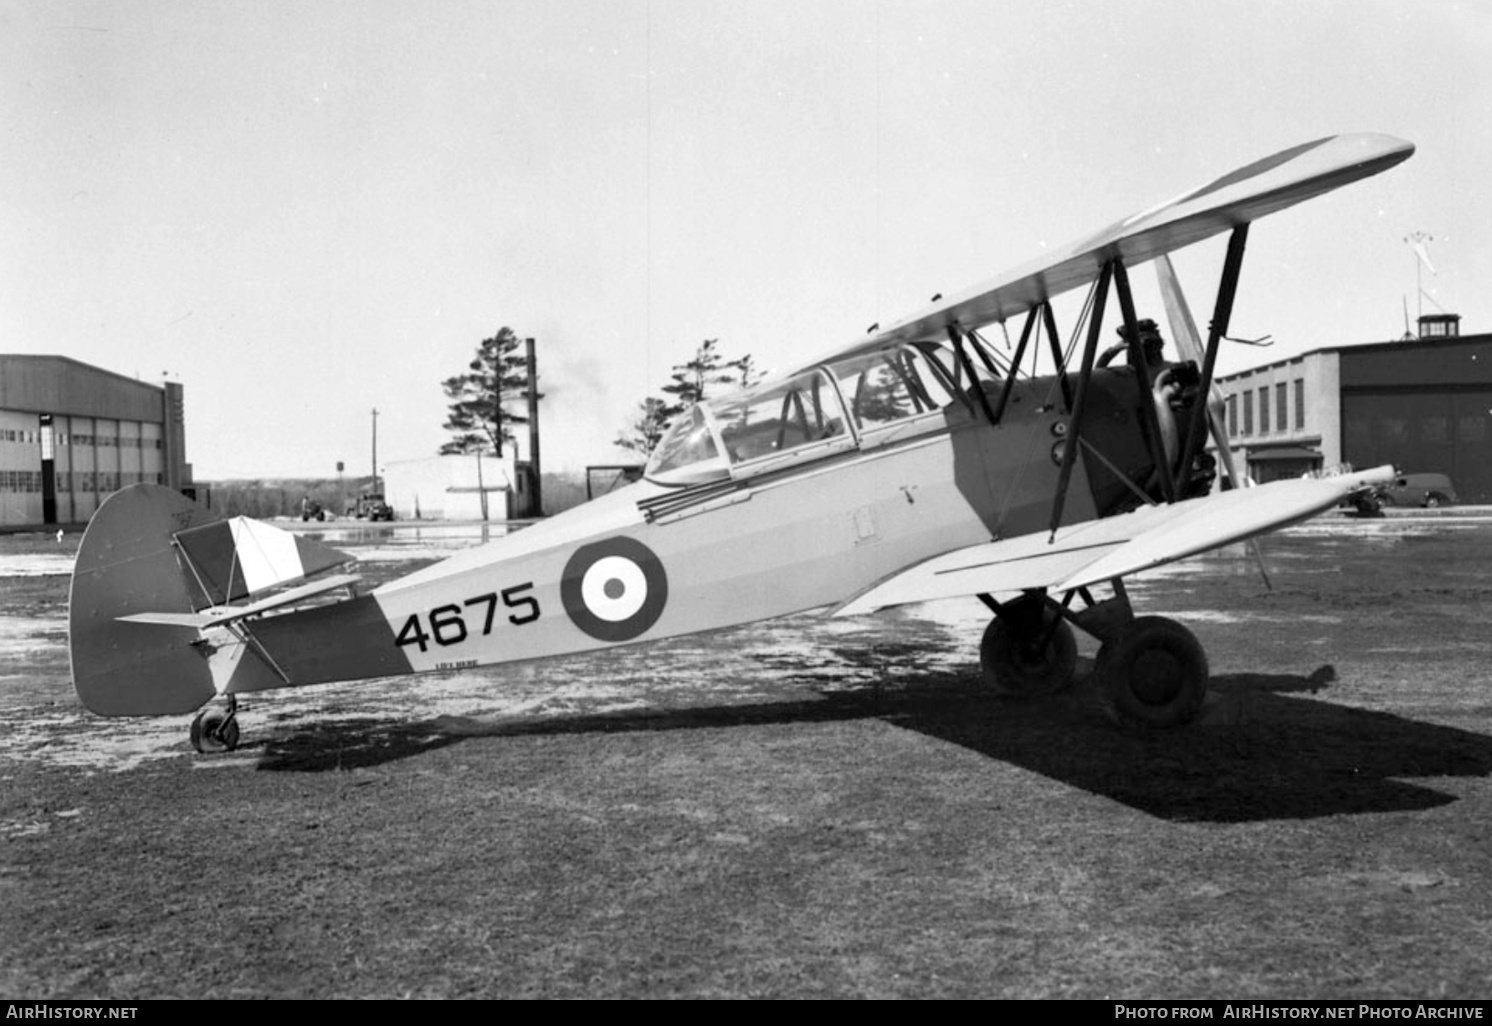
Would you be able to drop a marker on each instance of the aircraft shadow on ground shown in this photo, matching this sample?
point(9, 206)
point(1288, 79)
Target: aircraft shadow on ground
point(350, 743)
point(1263, 749)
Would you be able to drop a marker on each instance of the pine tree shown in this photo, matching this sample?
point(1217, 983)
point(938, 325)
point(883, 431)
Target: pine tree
point(498, 375)
point(747, 374)
point(695, 379)
point(643, 433)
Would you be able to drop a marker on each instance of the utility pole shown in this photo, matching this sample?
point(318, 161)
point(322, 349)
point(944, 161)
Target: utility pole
point(497, 405)
point(376, 489)
point(533, 428)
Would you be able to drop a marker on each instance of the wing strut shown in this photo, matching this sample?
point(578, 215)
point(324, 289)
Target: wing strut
point(956, 336)
point(1049, 320)
point(1041, 312)
point(1075, 422)
point(1015, 364)
point(1222, 312)
point(1143, 383)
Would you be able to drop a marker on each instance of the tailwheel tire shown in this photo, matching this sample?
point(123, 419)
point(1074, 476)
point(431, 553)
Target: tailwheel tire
point(215, 730)
point(1157, 673)
point(1018, 663)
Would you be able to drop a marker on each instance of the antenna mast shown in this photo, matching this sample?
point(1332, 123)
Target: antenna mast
point(1416, 241)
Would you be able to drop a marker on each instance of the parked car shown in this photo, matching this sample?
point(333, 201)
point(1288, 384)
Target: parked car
point(371, 506)
point(1418, 490)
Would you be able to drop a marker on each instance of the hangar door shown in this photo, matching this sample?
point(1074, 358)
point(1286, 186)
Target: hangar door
point(1423, 432)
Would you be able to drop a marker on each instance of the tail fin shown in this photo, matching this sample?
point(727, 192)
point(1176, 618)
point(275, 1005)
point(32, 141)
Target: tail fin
point(150, 550)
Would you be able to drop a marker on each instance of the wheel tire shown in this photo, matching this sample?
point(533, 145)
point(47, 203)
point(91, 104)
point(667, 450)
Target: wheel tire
point(1012, 669)
point(1156, 672)
point(1432, 502)
point(214, 730)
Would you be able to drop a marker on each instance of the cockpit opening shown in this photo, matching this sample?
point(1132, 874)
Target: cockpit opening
point(867, 399)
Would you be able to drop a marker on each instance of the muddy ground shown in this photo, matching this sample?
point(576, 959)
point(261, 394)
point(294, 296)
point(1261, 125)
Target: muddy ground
point(803, 808)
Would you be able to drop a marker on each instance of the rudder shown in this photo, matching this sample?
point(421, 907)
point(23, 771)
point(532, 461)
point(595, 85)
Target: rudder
point(127, 563)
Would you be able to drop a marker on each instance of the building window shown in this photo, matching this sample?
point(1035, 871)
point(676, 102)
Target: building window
point(1232, 414)
point(1300, 404)
point(1472, 428)
point(1281, 409)
point(1264, 410)
point(1248, 412)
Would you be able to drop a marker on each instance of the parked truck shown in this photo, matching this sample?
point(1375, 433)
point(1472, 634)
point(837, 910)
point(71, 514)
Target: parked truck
point(371, 506)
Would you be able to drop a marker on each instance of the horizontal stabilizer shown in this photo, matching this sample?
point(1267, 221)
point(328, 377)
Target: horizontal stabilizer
point(234, 558)
point(220, 615)
point(1102, 550)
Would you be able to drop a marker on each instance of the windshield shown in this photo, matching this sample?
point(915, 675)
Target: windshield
point(687, 442)
point(801, 417)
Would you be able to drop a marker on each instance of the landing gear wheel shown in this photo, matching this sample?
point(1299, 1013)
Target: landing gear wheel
point(215, 730)
point(1019, 663)
point(1156, 671)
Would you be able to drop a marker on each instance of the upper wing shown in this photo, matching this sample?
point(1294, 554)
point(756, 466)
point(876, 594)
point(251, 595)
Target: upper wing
point(1102, 550)
point(1247, 194)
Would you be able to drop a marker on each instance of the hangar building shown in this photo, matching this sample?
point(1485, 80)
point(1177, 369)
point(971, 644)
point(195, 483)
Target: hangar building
point(1422, 404)
point(71, 433)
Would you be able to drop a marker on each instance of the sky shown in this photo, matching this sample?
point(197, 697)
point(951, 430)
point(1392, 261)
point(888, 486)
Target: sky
point(303, 211)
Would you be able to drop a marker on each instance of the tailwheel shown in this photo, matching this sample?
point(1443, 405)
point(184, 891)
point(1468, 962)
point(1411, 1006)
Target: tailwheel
point(1156, 671)
point(215, 728)
point(1028, 649)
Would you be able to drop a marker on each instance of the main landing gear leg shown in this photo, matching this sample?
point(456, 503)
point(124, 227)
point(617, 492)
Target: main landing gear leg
point(215, 728)
point(1154, 668)
point(1028, 648)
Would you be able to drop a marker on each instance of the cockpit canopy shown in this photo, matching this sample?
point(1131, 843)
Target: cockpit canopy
point(865, 399)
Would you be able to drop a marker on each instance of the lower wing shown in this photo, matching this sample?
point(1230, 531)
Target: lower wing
point(1103, 550)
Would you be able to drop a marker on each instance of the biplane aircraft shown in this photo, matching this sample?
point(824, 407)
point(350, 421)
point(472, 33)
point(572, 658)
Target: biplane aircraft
point(920, 462)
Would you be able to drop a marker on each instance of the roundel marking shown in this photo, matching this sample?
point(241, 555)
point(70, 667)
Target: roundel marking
point(614, 590)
